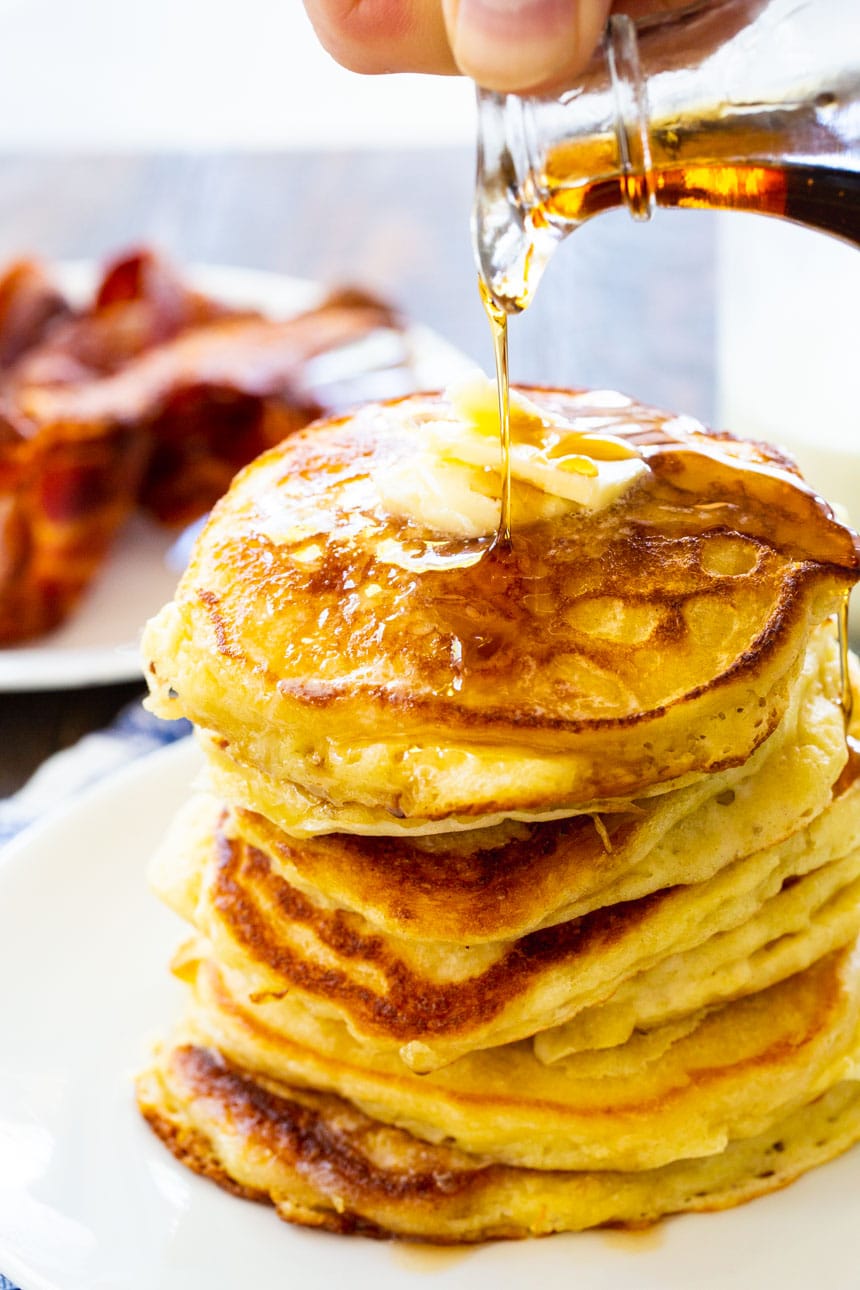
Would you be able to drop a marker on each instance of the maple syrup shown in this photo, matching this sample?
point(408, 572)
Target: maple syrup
point(851, 771)
point(498, 320)
point(819, 197)
point(634, 1240)
point(847, 694)
point(418, 1257)
point(723, 105)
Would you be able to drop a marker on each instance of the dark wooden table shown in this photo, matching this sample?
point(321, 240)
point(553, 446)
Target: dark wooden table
point(622, 305)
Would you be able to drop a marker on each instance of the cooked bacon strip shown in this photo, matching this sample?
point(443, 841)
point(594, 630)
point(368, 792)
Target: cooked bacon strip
point(255, 356)
point(30, 304)
point(140, 302)
point(73, 496)
point(210, 400)
point(154, 395)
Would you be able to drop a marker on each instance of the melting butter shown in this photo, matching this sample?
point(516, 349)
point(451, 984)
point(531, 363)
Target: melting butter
point(441, 495)
point(453, 485)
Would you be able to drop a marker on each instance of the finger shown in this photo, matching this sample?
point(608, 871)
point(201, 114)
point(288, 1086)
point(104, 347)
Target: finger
point(521, 45)
point(649, 8)
point(383, 35)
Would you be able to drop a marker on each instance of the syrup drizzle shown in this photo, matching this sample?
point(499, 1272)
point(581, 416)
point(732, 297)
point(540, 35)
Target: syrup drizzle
point(498, 321)
point(844, 674)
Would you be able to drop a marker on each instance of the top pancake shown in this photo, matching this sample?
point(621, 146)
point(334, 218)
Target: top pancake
point(347, 677)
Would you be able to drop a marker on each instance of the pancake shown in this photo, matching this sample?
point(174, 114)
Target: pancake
point(524, 881)
point(502, 883)
point(353, 668)
point(324, 1164)
point(802, 923)
point(637, 1106)
point(435, 1001)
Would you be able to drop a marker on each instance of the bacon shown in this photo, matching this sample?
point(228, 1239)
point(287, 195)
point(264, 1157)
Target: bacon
point(140, 302)
point(153, 396)
point(30, 304)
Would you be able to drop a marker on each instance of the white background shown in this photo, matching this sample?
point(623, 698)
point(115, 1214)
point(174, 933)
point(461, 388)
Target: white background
point(201, 74)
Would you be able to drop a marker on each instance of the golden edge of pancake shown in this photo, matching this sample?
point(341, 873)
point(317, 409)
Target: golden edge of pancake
point(513, 879)
point(324, 1164)
point(717, 1082)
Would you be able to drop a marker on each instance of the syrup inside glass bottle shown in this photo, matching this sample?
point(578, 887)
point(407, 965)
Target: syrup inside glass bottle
point(749, 105)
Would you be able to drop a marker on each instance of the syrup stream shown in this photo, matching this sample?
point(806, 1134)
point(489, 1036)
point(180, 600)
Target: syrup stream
point(844, 674)
point(498, 321)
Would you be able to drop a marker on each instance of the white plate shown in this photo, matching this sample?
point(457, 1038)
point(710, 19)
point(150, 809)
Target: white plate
point(90, 1200)
point(99, 644)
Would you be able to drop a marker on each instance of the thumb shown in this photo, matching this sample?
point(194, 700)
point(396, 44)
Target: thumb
point(519, 45)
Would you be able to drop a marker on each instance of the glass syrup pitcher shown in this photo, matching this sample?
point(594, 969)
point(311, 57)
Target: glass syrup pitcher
point(722, 104)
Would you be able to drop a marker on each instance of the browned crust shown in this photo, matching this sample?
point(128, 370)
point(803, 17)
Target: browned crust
point(527, 654)
point(327, 1157)
point(299, 1131)
point(409, 1006)
point(650, 546)
point(194, 1150)
point(484, 889)
point(337, 1169)
point(487, 722)
point(477, 887)
point(254, 905)
point(822, 977)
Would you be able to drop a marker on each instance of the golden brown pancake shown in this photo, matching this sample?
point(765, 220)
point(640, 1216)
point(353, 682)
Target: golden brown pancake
point(526, 892)
point(501, 883)
point(660, 1097)
point(435, 1001)
point(808, 918)
point(323, 1163)
point(342, 680)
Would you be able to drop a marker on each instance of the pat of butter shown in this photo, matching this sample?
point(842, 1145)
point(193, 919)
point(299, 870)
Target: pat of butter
point(453, 484)
point(437, 494)
point(547, 451)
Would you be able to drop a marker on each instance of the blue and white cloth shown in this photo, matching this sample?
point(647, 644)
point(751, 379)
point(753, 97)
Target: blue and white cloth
point(134, 733)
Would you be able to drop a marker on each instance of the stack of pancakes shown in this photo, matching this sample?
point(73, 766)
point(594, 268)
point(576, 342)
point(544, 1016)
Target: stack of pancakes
point(525, 891)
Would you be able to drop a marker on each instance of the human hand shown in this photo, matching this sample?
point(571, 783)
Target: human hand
point(505, 45)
